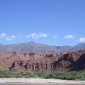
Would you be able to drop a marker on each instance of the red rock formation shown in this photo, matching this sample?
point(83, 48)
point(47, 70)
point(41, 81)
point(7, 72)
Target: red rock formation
point(40, 61)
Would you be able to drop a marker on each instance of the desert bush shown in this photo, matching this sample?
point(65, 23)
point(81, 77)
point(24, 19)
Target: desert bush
point(72, 75)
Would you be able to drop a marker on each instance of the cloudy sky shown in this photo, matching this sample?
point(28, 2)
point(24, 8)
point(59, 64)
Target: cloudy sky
point(55, 22)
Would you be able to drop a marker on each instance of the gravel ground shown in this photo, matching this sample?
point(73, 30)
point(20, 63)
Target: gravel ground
point(38, 81)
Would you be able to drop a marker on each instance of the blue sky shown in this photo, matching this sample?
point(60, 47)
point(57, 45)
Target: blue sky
point(55, 22)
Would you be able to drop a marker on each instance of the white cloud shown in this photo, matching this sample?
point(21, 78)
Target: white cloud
point(69, 36)
point(13, 36)
point(6, 37)
point(10, 37)
point(36, 35)
point(3, 35)
point(82, 39)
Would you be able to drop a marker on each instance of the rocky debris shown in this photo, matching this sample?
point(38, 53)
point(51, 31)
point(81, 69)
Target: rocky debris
point(43, 61)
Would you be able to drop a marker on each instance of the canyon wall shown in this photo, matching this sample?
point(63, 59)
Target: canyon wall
point(43, 61)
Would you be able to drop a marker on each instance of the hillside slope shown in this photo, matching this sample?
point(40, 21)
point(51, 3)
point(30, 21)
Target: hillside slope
point(38, 47)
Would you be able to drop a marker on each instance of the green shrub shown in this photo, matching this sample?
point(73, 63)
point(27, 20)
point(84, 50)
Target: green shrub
point(72, 75)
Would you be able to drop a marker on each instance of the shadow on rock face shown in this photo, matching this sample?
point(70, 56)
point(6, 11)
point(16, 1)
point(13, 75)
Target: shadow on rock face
point(63, 62)
point(79, 64)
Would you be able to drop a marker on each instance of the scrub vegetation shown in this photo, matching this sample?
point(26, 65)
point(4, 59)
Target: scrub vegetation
point(72, 75)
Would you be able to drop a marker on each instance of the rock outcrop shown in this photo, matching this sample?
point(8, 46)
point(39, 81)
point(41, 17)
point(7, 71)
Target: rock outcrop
point(43, 61)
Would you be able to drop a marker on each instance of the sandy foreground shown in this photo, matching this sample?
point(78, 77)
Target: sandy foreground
point(40, 81)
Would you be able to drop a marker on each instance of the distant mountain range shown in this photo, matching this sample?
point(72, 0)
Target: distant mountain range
point(38, 47)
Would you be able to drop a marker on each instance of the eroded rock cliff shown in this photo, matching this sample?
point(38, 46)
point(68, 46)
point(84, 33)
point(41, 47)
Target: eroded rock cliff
point(43, 61)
